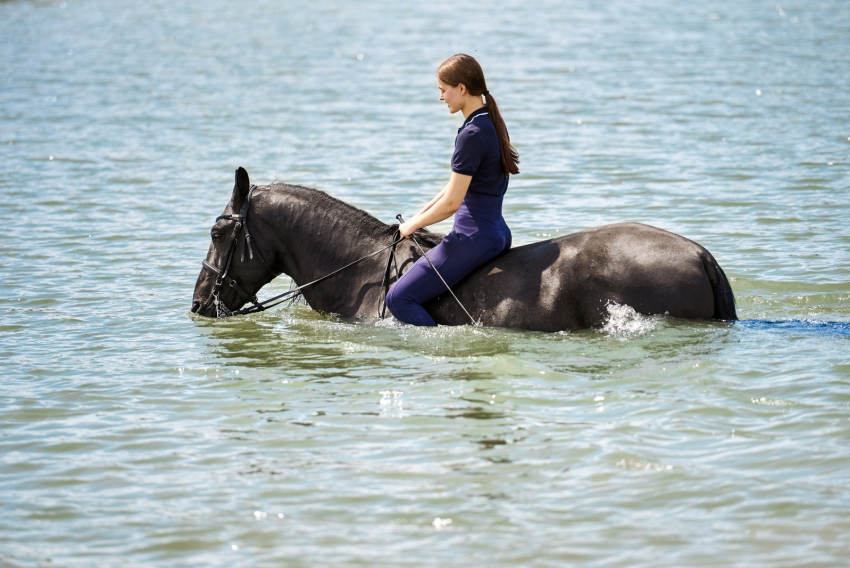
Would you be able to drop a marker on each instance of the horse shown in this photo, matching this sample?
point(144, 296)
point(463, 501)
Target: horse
point(564, 283)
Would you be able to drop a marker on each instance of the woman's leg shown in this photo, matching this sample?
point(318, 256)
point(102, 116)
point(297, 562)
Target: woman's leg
point(420, 284)
point(406, 297)
point(455, 257)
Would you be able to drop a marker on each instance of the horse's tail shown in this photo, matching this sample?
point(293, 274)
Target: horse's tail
point(724, 299)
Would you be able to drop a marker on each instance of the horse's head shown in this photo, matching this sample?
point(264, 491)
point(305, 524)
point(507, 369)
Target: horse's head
point(234, 269)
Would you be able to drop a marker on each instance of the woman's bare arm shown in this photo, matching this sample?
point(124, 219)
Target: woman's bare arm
point(431, 203)
point(441, 207)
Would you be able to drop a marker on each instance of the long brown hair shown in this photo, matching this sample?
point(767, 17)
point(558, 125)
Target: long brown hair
point(462, 68)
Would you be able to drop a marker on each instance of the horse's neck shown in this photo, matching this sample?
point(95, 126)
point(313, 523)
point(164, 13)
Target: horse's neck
point(317, 235)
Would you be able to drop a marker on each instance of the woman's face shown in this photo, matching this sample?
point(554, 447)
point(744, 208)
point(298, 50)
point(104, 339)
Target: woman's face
point(453, 96)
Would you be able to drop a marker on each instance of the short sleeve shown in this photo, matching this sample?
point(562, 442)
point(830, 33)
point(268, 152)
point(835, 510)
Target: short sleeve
point(469, 151)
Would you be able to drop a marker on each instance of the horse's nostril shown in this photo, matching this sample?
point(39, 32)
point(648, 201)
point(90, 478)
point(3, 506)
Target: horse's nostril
point(196, 305)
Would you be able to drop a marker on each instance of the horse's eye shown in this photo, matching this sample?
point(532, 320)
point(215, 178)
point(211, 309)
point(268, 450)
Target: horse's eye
point(215, 235)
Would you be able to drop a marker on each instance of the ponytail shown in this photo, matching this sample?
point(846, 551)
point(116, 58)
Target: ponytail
point(510, 157)
point(465, 69)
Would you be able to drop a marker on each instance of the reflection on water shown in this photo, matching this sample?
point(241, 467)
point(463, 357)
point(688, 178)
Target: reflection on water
point(302, 336)
point(302, 339)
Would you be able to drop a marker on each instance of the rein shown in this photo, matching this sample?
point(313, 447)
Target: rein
point(222, 276)
point(280, 298)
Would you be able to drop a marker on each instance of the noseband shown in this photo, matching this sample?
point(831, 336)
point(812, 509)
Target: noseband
point(222, 276)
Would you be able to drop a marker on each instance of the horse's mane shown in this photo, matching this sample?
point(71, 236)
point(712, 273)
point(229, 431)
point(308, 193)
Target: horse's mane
point(360, 218)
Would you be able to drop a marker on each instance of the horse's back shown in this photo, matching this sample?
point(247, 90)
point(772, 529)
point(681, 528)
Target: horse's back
point(652, 270)
point(566, 282)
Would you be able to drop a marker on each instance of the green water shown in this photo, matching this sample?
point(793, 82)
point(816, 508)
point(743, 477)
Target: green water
point(135, 434)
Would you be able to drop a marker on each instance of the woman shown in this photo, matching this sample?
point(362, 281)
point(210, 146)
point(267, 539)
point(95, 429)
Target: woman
point(481, 164)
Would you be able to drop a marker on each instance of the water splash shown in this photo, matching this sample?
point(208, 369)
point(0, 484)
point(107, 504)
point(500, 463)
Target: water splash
point(623, 322)
point(388, 322)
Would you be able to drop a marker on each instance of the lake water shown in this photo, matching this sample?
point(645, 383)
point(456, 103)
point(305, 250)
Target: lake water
point(134, 434)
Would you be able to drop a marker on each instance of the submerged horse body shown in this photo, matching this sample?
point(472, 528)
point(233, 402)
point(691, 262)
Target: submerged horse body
point(558, 284)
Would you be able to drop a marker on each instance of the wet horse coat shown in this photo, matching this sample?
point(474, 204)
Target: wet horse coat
point(558, 284)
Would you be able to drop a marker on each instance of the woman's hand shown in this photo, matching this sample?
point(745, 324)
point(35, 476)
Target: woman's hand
point(406, 229)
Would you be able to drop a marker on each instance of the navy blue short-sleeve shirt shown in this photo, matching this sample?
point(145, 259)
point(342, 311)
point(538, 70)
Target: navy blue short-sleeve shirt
point(477, 154)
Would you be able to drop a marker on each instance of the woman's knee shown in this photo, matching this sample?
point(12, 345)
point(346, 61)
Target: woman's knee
point(391, 301)
point(397, 298)
point(403, 307)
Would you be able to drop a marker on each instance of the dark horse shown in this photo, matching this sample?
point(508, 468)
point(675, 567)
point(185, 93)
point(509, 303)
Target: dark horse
point(558, 284)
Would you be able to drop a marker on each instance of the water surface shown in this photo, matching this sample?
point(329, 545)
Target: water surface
point(132, 433)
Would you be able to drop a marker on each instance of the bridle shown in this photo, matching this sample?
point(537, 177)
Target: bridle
point(222, 274)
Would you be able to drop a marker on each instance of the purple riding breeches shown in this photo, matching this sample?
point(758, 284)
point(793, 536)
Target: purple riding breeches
point(455, 257)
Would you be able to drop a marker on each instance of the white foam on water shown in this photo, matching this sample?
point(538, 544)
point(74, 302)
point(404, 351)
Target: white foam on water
point(623, 322)
point(389, 322)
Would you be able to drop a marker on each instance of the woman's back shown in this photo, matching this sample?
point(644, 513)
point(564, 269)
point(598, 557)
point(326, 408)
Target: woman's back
point(477, 154)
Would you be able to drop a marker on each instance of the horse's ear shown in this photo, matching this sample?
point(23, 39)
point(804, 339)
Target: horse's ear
point(240, 190)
